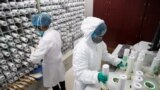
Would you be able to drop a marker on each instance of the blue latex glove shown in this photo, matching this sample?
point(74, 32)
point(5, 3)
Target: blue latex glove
point(102, 78)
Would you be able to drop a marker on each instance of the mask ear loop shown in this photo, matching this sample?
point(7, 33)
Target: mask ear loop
point(39, 20)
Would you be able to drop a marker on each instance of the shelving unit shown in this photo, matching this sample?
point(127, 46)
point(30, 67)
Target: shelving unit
point(17, 38)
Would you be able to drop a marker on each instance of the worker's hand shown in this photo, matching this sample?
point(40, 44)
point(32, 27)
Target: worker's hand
point(121, 65)
point(102, 78)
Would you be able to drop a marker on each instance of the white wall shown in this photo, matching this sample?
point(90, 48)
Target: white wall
point(89, 7)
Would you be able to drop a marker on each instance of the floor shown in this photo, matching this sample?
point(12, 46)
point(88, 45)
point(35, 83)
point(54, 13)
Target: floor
point(69, 79)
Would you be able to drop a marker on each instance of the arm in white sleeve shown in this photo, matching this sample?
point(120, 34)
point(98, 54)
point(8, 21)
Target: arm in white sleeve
point(40, 51)
point(108, 57)
point(80, 67)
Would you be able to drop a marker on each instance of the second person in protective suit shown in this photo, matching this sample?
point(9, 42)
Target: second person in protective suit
point(89, 52)
point(49, 50)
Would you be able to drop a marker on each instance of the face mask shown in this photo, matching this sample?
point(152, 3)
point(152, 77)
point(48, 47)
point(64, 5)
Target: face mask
point(97, 39)
point(98, 34)
point(39, 32)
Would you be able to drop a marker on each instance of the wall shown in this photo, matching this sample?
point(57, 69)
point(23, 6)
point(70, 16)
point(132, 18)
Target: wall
point(128, 21)
point(89, 7)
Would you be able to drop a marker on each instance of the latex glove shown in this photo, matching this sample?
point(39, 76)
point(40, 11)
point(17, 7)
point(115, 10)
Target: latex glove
point(102, 78)
point(156, 70)
point(121, 65)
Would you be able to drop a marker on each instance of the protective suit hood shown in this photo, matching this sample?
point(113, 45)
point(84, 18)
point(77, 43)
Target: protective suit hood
point(89, 25)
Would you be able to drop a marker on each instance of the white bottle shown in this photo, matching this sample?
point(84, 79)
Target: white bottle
point(122, 82)
point(13, 50)
point(1, 55)
point(19, 47)
point(130, 62)
point(18, 65)
point(35, 36)
point(31, 68)
point(24, 19)
point(13, 74)
point(136, 86)
point(5, 5)
point(23, 11)
point(24, 39)
point(25, 63)
point(158, 54)
point(10, 13)
point(12, 44)
point(17, 60)
point(7, 74)
point(15, 78)
point(34, 10)
point(2, 78)
point(9, 37)
point(26, 49)
point(26, 71)
point(2, 61)
point(6, 53)
point(28, 55)
point(15, 11)
point(13, 4)
point(3, 23)
point(21, 4)
point(11, 65)
point(15, 35)
point(21, 53)
point(17, 20)
point(29, 36)
point(4, 67)
point(27, 31)
point(14, 69)
point(17, 41)
point(105, 70)
point(2, 45)
point(16, 56)
point(32, 29)
point(138, 64)
point(155, 64)
point(32, 3)
point(10, 21)
point(29, 10)
point(3, 39)
point(24, 45)
point(26, 3)
point(26, 24)
point(13, 27)
point(2, 14)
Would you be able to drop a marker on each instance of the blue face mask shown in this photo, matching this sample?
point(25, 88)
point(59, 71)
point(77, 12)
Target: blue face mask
point(98, 34)
point(39, 32)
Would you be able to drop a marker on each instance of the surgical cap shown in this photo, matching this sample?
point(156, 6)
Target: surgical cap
point(42, 19)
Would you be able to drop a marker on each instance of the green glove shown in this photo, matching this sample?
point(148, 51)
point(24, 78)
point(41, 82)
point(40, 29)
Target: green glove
point(102, 78)
point(120, 65)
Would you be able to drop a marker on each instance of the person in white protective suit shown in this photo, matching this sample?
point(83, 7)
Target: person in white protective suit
point(49, 51)
point(89, 52)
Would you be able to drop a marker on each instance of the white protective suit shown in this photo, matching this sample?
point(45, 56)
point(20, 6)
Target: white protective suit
point(87, 56)
point(49, 49)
